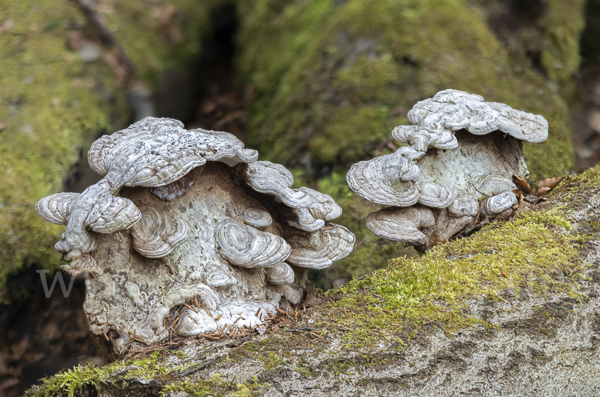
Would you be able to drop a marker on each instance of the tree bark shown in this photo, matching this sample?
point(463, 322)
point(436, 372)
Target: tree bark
point(535, 337)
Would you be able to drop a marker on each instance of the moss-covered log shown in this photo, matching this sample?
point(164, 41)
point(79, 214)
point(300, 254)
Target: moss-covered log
point(60, 89)
point(334, 77)
point(510, 310)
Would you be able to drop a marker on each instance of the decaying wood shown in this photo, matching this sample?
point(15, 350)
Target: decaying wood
point(539, 345)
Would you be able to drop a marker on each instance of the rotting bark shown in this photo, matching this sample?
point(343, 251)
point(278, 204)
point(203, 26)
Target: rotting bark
point(531, 334)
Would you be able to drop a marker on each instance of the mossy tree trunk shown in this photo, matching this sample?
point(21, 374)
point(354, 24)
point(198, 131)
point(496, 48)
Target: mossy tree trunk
point(510, 310)
point(333, 79)
point(61, 88)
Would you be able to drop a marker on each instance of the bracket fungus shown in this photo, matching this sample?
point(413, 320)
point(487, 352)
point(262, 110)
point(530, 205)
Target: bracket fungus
point(189, 215)
point(459, 150)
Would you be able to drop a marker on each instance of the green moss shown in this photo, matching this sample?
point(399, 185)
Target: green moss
point(562, 25)
point(274, 34)
point(53, 104)
point(334, 78)
point(158, 366)
point(48, 109)
point(395, 303)
point(198, 388)
point(536, 250)
point(72, 382)
point(146, 39)
point(271, 361)
point(370, 252)
point(355, 77)
point(216, 386)
point(372, 118)
point(585, 182)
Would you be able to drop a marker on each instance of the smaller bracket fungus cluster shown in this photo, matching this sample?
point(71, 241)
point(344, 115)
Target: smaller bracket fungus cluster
point(458, 151)
point(189, 214)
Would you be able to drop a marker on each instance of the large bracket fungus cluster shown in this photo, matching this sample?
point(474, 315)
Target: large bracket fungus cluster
point(189, 214)
point(459, 151)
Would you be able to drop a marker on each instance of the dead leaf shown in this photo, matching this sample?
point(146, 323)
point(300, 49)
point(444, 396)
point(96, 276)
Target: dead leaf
point(546, 186)
point(542, 191)
point(519, 194)
point(522, 184)
point(435, 240)
point(208, 106)
point(505, 215)
point(2, 125)
point(235, 115)
point(311, 300)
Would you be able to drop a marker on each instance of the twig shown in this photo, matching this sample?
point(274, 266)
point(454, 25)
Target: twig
point(89, 9)
point(301, 329)
point(194, 369)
